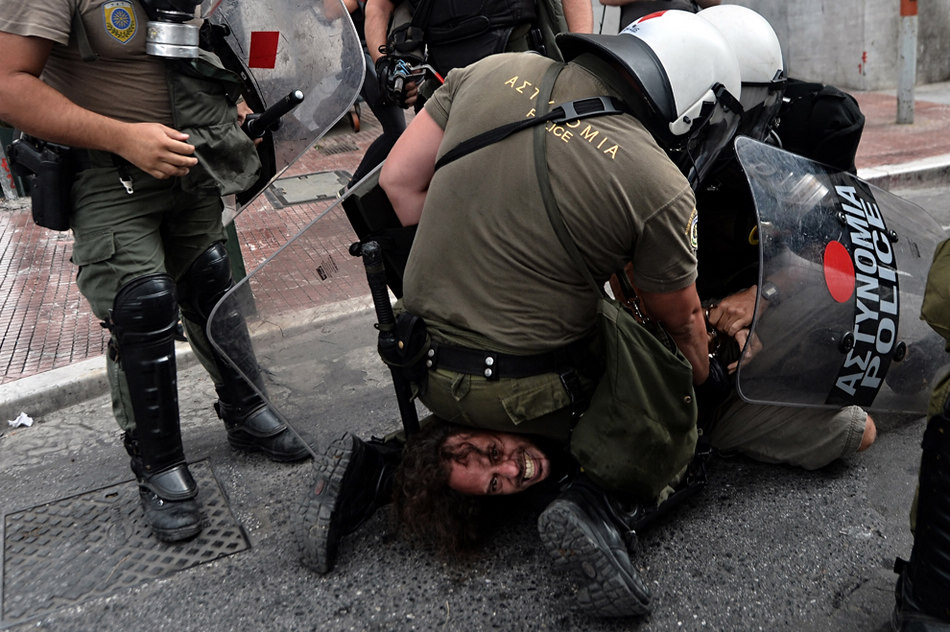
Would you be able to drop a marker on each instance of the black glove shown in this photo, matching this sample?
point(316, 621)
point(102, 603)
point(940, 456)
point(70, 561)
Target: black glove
point(391, 91)
point(714, 391)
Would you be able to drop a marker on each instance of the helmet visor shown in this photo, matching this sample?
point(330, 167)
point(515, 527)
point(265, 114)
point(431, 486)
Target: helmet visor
point(716, 127)
point(762, 102)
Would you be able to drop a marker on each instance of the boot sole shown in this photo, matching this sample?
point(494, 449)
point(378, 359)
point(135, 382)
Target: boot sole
point(610, 586)
point(177, 535)
point(317, 536)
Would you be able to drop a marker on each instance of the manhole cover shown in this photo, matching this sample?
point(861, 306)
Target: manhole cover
point(324, 185)
point(71, 550)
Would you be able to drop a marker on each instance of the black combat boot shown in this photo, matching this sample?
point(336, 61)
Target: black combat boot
point(923, 588)
point(251, 423)
point(592, 533)
point(253, 426)
point(168, 496)
point(583, 536)
point(353, 479)
point(142, 348)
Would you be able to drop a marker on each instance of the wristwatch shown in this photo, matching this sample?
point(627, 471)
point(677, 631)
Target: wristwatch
point(770, 293)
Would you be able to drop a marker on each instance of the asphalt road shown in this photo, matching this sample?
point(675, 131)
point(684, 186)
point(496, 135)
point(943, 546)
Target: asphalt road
point(761, 548)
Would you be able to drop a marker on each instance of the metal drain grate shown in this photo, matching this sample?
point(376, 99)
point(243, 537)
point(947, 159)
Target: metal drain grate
point(323, 185)
point(71, 550)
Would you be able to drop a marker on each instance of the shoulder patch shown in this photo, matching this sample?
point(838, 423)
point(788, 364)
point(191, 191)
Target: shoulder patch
point(692, 229)
point(119, 17)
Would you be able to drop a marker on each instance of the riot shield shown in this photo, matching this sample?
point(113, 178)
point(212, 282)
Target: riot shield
point(302, 328)
point(282, 46)
point(841, 279)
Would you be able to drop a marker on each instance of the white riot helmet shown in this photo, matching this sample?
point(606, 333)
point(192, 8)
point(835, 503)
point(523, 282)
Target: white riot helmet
point(761, 67)
point(678, 75)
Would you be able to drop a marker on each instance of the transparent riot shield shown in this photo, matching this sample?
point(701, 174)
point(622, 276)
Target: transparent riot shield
point(302, 329)
point(280, 47)
point(841, 279)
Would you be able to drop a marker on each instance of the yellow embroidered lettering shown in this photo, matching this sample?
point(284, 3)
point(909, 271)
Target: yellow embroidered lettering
point(601, 143)
point(567, 136)
point(589, 134)
point(511, 82)
point(612, 152)
point(520, 89)
point(574, 123)
point(534, 95)
point(530, 113)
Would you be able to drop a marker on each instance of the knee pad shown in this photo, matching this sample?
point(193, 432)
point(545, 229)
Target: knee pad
point(205, 282)
point(144, 309)
point(143, 321)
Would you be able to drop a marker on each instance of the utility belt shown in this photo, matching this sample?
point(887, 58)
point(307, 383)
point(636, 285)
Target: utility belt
point(49, 169)
point(493, 365)
point(416, 353)
point(569, 362)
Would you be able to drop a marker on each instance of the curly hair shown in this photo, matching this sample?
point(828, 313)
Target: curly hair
point(427, 509)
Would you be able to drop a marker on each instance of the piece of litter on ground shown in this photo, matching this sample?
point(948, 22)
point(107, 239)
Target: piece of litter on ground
point(21, 420)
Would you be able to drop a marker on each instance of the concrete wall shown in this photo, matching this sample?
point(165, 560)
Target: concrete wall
point(852, 44)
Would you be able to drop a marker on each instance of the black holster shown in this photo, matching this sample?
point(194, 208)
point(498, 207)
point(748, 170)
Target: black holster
point(49, 171)
point(408, 354)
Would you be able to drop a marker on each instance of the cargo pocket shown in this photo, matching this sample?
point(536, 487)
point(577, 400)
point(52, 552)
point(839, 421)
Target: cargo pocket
point(95, 277)
point(535, 397)
point(93, 248)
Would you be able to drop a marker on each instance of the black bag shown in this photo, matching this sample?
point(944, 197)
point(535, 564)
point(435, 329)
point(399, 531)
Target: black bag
point(639, 430)
point(821, 123)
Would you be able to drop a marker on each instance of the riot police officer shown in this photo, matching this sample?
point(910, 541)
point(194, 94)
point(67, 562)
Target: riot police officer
point(153, 123)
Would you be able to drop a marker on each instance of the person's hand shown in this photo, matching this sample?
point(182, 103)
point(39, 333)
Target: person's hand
point(748, 350)
point(733, 313)
point(243, 110)
point(158, 150)
point(405, 96)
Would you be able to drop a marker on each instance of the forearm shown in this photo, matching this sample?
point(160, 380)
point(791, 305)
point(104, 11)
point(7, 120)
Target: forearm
point(682, 315)
point(376, 25)
point(691, 338)
point(579, 15)
point(59, 120)
point(410, 166)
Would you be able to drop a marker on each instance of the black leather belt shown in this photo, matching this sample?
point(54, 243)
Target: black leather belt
point(493, 365)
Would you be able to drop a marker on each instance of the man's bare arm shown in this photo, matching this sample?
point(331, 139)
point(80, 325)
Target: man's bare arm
point(37, 109)
point(681, 314)
point(376, 25)
point(579, 15)
point(409, 167)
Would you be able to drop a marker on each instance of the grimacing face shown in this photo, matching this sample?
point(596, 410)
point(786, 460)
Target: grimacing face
point(485, 463)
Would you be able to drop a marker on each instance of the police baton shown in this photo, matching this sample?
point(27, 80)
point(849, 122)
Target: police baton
point(388, 344)
point(255, 125)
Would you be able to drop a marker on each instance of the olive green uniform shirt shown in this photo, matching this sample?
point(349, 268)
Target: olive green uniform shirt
point(486, 268)
point(123, 83)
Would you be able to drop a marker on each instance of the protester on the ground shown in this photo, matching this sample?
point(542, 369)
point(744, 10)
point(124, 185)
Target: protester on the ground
point(145, 214)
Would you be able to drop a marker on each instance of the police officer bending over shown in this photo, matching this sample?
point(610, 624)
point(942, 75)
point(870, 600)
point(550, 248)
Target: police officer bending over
point(156, 143)
point(489, 276)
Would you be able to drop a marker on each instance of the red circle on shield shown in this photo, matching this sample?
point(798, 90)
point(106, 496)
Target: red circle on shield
point(839, 271)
